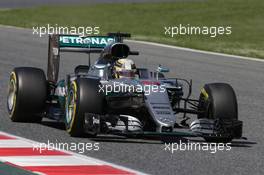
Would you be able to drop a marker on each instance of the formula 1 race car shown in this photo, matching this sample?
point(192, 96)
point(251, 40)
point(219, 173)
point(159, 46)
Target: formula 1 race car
point(113, 96)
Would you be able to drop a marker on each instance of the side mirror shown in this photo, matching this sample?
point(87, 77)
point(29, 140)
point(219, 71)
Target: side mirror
point(162, 69)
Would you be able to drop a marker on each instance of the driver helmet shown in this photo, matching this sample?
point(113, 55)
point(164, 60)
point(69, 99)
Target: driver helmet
point(124, 68)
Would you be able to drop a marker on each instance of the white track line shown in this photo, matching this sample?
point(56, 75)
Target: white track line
point(15, 144)
point(49, 160)
point(196, 51)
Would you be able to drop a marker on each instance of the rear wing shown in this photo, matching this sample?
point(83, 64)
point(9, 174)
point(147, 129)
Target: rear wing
point(91, 44)
point(75, 43)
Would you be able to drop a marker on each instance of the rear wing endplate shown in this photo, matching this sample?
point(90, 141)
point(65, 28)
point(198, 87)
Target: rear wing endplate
point(73, 43)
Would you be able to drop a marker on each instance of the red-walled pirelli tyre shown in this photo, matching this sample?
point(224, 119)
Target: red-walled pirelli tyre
point(82, 97)
point(218, 100)
point(27, 93)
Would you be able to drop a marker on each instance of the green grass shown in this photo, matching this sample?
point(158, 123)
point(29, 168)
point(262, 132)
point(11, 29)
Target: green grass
point(146, 22)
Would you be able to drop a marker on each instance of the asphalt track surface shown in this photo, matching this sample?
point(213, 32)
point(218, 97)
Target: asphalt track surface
point(20, 48)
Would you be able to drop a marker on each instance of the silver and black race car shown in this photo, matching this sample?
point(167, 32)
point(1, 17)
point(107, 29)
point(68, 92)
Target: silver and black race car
point(93, 100)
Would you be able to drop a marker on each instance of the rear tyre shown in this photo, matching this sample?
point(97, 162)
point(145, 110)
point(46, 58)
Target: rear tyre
point(82, 97)
point(218, 101)
point(27, 93)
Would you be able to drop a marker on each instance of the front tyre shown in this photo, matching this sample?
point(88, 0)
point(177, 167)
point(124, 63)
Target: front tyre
point(218, 100)
point(82, 97)
point(219, 103)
